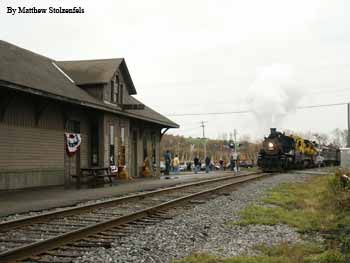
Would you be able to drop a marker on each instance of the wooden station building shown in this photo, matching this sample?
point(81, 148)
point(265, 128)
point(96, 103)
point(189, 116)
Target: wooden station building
point(41, 99)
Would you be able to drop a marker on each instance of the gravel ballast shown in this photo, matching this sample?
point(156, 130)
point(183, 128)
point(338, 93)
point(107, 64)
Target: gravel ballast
point(203, 229)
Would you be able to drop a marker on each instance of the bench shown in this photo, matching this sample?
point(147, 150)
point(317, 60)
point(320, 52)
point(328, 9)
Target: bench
point(94, 175)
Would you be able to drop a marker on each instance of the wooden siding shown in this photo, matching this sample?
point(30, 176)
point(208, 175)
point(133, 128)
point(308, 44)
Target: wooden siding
point(30, 148)
point(21, 112)
point(26, 145)
point(32, 152)
point(94, 90)
point(30, 157)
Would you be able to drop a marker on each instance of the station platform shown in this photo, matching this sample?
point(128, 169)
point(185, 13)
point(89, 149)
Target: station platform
point(37, 199)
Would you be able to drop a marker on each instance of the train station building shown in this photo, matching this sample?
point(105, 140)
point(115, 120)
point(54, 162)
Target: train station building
point(47, 105)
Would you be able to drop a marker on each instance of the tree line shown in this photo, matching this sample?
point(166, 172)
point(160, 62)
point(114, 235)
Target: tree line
point(187, 148)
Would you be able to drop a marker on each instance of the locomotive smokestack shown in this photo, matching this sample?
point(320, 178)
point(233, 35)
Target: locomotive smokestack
point(272, 130)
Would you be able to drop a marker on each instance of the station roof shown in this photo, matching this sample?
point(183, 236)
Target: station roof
point(96, 71)
point(24, 70)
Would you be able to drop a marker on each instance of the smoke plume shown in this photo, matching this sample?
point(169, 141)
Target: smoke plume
point(273, 95)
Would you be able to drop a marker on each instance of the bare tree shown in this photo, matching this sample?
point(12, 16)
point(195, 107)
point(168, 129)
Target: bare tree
point(321, 138)
point(339, 137)
point(216, 149)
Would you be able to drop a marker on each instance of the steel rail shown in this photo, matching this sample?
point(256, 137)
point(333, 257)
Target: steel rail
point(41, 247)
point(8, 225)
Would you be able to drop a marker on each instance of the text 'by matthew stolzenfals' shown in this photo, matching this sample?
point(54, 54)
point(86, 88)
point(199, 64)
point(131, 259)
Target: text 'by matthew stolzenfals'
point(50, 10)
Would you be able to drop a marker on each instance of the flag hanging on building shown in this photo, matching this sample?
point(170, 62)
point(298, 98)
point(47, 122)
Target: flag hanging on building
point(73, 141)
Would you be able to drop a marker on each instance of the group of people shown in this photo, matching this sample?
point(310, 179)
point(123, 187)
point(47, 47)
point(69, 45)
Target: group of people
point(174, 164)
point(209, 164)
point(198, 164)
point(169, 162)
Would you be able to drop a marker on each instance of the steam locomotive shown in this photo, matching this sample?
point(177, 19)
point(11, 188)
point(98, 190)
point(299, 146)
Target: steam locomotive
point(282, 152)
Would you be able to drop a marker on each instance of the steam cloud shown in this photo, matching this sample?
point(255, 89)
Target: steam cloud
point(273, 95)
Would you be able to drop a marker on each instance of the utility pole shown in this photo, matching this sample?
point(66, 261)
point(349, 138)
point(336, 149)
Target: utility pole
point(203, 126)
point(235, 138)
point(348, 141)
point(205, 142)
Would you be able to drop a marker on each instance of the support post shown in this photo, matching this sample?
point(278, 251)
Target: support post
point(204, 140)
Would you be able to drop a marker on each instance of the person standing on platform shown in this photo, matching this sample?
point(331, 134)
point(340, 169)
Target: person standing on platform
point(232, 163)
point(176, 163)
point(167, 160)
point(207, 164)
point(196, 164)
point(221, 162)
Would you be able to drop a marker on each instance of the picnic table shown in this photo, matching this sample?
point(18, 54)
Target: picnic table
point(95, 174)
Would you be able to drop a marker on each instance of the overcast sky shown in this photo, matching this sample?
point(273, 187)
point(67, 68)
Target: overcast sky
point(198, 56)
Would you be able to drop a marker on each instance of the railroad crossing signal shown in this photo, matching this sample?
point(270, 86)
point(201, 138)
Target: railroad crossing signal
point(234, 145)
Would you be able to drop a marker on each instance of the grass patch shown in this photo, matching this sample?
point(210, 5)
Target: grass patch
point(320, 205)
point(304, 206)
point(283, 253)
point(272, 216)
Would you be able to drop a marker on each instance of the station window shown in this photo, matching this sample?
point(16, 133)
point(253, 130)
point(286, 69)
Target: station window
point(120, 94)
point(122, 135)
point(113, 94)
point(116, 89)
point(121, 154)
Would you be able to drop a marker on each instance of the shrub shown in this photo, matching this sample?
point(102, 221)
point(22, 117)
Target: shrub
point(339, 191)
point(330, 256)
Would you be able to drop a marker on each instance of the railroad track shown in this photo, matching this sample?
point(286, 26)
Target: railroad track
point(64, 235)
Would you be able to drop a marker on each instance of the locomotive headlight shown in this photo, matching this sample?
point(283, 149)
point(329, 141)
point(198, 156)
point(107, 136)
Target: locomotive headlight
point(270, 145)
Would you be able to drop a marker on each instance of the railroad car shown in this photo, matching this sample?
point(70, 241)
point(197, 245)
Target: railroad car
point(330, 155)
point(284, 152)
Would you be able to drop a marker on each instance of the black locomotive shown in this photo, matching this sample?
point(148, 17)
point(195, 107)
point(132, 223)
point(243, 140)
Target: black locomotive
point(284, 152)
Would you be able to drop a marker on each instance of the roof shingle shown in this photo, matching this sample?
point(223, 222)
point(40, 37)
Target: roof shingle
point(90, 71)
point(96, 71)
point(25, 68)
